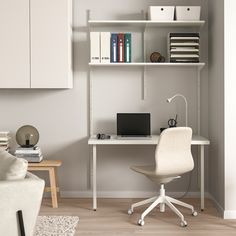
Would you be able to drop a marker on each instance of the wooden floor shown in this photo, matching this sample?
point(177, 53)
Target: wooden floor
point(111, 218)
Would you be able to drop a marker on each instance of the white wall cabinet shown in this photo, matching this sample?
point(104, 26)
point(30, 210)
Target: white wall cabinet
point(35, 44)
point(51, 43)
point(14, 44)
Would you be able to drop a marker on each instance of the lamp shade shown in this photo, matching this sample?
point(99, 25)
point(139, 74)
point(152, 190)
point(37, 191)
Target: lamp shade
point(27, 136)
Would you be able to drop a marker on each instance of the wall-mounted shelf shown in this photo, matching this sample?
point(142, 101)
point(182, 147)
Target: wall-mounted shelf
point(198, 65)
point(144, 23)
point(141, 26)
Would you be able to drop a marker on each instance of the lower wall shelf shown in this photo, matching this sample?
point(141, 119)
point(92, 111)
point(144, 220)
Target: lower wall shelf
point(199, 65)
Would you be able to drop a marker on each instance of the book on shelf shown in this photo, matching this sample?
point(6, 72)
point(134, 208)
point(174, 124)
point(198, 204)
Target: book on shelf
point(121, 48)
point(114, 56)
point(33, 159)
point(105, 47)
point(28, 148)
point(32, 152)
point(95, 47)
point(4, 139)
point(127, 47)
point(27, 151)
point(28, 155)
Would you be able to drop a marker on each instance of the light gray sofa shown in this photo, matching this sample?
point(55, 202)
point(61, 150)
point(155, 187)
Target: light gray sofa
point(24, 195)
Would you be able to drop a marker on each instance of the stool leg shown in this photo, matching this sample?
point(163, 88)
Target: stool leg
point(58, 189)
point(53, 186)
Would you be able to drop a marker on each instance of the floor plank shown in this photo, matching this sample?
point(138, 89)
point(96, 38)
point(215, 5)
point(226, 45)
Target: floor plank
point(111, 218)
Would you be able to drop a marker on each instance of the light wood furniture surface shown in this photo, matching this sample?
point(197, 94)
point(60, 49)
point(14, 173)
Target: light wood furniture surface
point(50, 166)
point(112, 219)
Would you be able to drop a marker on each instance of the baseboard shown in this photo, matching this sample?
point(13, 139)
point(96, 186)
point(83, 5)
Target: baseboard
point(124, 194)
point(229, 215)
point(219, 208)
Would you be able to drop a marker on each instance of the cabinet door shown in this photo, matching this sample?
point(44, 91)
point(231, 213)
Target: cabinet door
point(14, 44)
point(51, 43)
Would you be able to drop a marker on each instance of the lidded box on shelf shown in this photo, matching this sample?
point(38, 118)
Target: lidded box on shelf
point(161, 13)
point(188, 13)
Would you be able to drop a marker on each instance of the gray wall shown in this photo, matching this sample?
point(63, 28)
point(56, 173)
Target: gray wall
point(216, 101)
point(62, 116)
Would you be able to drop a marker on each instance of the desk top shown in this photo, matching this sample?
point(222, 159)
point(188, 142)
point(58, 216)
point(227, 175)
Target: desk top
point(196, 140)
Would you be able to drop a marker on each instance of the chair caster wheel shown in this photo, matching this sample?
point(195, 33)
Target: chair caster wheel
point(130, 212)
point(183, 223)
point(194, 213)
point(141, 222)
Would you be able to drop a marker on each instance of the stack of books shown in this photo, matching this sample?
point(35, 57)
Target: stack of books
point(4, 140)
point(184, 47)
point(107, 47)
point(31, 154)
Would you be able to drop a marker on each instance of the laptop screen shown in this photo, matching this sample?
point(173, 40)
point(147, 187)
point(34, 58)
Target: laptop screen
point(133, 124)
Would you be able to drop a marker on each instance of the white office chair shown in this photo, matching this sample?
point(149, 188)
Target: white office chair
point(173, 157)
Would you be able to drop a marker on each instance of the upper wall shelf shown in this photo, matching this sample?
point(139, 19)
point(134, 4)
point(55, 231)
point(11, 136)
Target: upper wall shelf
point(145, 23)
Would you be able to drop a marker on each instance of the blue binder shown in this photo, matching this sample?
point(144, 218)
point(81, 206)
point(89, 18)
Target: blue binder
point(114, 48)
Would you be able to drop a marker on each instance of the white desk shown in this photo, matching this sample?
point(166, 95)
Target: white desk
point(196, 140)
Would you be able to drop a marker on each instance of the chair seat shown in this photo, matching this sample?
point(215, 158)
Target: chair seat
point(150, 172)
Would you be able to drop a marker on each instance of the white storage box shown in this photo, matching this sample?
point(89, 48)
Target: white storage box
point(161, 13)
point(188, 13)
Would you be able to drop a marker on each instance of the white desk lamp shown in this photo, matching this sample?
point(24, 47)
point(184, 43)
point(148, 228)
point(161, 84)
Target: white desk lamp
point(186, 106)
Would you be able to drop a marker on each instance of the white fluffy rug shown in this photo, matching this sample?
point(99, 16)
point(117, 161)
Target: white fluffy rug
point(56, 225)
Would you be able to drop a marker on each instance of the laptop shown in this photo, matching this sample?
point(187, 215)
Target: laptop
point(133, 125)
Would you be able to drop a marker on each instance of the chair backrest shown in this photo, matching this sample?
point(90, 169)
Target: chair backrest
point(173, 153)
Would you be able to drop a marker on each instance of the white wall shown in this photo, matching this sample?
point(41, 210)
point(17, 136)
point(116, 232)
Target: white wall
point(216, 101)
point(61, 116)
point(230, 111)
point(222, 103)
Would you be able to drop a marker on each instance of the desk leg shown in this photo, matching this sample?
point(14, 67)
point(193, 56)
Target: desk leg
point(94, 177)
point(202, 177)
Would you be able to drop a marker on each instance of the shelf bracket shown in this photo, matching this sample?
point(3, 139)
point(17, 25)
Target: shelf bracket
point(143, 58)
point(143, 82)
point(198, 101)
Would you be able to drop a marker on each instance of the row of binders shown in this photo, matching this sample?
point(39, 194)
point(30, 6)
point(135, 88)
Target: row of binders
point(4, 140)
point(184, 47)
point(107, 47)
point(31, 154)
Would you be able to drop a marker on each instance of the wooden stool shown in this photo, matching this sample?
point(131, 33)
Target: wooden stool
point(51, 167)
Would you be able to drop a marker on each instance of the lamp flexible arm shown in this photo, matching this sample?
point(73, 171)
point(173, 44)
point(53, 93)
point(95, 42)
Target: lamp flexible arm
point(186, 106)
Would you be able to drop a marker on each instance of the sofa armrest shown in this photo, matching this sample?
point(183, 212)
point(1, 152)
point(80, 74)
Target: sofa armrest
point(25, 195)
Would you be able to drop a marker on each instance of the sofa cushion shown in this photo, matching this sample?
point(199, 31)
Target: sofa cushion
point(11, 167)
